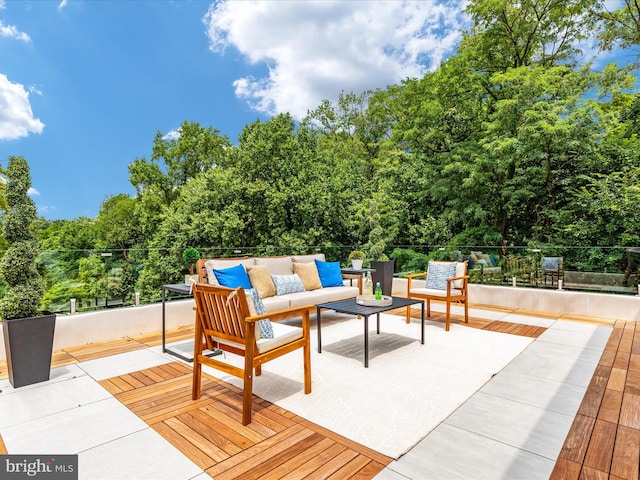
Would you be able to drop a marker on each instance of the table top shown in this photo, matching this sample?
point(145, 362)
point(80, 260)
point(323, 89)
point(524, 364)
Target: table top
point(350, 306)
point(356, 271)
point(178, 288)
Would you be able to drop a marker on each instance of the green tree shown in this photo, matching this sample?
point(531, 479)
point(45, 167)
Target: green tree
point(507, 34)
point(118, 225)
point(63, 243)
point(18, 265)
point(173, 162)
point(93, 275)
point(539, 136)
point(620, 27)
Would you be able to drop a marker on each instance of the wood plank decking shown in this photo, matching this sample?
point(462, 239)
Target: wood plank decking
point(276, 444)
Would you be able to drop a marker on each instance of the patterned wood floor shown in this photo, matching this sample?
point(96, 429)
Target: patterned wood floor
point(604, 440)
point(276, 444)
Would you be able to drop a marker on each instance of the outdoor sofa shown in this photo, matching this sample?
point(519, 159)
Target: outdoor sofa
point(486, 263)
point(283, 282)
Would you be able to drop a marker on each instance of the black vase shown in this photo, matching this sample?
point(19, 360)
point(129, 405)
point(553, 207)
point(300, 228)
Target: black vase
point(28, 343)
point(384, 275)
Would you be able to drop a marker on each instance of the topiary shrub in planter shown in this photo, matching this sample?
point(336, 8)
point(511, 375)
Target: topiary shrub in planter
point(28, 335)
point(379, 259)
point(190, 257)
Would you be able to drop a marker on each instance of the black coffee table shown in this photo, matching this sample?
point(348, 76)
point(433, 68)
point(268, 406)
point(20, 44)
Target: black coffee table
point(351, 307)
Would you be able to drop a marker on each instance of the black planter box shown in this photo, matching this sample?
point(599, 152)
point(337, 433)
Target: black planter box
point(28, 343)
point(384, 275)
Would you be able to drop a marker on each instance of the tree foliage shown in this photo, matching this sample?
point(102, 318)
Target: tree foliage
point(18, 265)
point(621, 27)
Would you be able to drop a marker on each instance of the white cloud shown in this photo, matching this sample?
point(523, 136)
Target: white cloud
point(172, 135)
point(316, 49)
point(33, 89)
point(16, 116)
point(12, 32)
point(32, 192)
point(44, 209)
point(62, 4)
point(2, 5)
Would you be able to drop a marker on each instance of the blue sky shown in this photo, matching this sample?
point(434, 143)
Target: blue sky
point(86, 84)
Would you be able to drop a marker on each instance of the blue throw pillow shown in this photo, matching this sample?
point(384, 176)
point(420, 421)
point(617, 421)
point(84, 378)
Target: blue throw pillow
point(329, 273)
point(233, 277)
point(438, 272)
point(470, 261)
point(493, 261)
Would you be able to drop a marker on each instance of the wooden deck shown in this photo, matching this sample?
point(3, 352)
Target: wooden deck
point(276, 444)
point(604, 441)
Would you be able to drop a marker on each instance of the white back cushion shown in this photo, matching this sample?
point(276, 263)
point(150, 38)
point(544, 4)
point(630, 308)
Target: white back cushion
point(276, 265)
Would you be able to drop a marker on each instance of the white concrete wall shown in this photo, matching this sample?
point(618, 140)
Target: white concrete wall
point(598, 305)
point(114, 323)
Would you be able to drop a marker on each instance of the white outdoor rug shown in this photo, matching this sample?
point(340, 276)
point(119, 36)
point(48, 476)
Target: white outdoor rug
point(405, 393)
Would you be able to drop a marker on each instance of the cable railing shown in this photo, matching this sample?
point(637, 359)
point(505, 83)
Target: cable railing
point(85, 280)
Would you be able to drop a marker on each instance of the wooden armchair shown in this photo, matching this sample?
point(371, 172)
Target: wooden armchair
point(224, 321)
point(446, 282)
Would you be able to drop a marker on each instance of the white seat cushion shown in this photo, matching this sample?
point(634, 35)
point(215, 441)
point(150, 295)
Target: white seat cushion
point(271, 304)
point(282, 334)
point(312, 297)
point(341, 293)
point(434, 292)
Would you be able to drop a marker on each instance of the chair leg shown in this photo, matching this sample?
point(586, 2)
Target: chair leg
point(197, 365)
point(247, 394)
point(466, 311)
point(408, 319)
point(428, 307)
point(197, 376)
point(258, 370)
point(447, 317)
point(306, 351)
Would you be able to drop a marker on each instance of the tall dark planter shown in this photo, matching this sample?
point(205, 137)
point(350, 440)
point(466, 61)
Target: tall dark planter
point(29, 344)
point(384, 275)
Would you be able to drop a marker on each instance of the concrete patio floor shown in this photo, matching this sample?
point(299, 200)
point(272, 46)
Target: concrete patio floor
point(514, 427)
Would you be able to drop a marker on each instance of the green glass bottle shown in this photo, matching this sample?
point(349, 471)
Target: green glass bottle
point(378, 291)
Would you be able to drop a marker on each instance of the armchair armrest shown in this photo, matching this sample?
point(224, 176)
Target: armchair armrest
point(414, 275)
point(279, 315)
point(463, 277)
point(465, 282)
point(410, 278)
